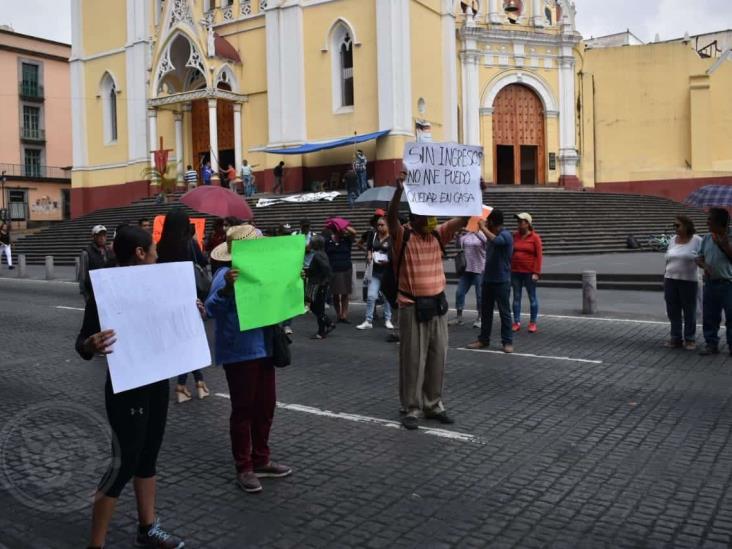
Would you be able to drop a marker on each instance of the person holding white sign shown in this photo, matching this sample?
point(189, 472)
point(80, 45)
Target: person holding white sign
point(137, 416)
point(420, 280)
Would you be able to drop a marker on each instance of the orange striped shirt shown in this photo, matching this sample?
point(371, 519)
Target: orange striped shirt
point(422, 273)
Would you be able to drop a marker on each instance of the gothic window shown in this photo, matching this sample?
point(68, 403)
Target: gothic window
point(109, 106)
point(341, 50)
point(548, 14)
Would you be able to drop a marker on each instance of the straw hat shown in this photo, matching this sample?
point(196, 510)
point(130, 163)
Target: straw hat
point(222, 252)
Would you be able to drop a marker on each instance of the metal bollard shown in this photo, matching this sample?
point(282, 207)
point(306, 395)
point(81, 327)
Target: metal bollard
point(49, 267)
point(77, 266)
point(589, 293)
point(22, 269)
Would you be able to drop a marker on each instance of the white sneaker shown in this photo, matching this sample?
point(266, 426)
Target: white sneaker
point(477, 324)
point(389, 325)
point(365, 325)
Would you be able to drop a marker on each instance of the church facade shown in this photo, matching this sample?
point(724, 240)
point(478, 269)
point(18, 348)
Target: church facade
point(223, 81)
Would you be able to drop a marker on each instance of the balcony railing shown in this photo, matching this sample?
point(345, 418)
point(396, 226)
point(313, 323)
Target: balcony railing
point(22, 170)
point(30, 90)
point(32, 134)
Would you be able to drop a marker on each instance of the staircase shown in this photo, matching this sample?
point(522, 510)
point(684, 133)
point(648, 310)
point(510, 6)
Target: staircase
point(569, 222)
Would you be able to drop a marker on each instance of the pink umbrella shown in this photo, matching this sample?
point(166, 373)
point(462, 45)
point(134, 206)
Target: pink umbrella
point(337, 224)
point(217, 201)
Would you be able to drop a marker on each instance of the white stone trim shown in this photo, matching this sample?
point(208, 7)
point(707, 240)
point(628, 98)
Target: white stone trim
point(285, 73)
point(336, 36)
point(394, 65)
point(520, 77)
point(334, 27)
point(136, 61)
point(233, 81)
point(99, 55)
point(449, 78)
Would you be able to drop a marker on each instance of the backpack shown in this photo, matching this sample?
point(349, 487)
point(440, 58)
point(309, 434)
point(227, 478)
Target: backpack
point(632, 242)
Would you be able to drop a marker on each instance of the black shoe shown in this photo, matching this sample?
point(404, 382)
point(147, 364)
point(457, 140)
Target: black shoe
point(442, 417)
point(410, 423)
point(709, 350)
point(155, 536)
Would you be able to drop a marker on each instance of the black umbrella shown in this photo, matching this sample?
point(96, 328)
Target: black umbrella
point(378, 197)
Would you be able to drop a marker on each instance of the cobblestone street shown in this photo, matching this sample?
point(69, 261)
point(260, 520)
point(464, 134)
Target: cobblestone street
point(591, 435)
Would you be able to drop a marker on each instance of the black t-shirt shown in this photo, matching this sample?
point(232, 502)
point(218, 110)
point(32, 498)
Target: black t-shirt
point(382, 247)
point(339, 254)
point(5, 238)
point(278, 170)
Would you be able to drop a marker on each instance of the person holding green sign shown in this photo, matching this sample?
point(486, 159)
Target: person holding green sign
point(247, 360)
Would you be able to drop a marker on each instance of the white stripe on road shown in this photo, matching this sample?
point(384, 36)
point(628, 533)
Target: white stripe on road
point(442, 433)
point(547, 357)
point(69, 308)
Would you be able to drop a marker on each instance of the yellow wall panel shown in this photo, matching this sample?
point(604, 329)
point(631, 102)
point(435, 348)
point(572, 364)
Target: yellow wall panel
point(104, 24)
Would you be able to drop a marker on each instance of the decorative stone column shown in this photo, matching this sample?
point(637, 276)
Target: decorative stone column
point(568, 156)
point(538, 16)
point(494, 12)
point(179, 182)
point(471, 93)
point(213, 140)
point(152, 130)
point(237, 138)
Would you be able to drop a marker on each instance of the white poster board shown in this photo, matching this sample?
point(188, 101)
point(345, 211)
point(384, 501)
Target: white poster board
point(152, 309)
point(443, 179)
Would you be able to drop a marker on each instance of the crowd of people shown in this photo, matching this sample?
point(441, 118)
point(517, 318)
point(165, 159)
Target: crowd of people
point(405, 275)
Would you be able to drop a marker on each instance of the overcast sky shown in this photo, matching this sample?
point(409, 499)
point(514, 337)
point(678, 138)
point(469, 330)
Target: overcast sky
point(669, 18)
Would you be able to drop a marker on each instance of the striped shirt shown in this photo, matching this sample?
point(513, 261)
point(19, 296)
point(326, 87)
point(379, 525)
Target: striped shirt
point(191, 177)
point(422, 273)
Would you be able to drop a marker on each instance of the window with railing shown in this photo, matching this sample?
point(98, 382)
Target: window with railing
point(32, 163)
point(29, 84)
point(31, 123)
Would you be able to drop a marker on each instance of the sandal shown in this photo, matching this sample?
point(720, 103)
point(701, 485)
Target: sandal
point(202, 389)
point(182, 394)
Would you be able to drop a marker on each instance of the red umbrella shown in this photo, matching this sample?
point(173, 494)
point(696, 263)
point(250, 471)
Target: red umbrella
point(217, 201)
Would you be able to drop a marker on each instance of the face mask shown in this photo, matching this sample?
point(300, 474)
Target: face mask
point(431, 225)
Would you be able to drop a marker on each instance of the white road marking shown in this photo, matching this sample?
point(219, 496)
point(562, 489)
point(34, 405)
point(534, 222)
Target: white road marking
point(547, 357)
point(442, 433)
point(69, 308)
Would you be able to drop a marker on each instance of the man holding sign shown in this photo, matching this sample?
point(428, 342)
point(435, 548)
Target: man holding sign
point(420, 277)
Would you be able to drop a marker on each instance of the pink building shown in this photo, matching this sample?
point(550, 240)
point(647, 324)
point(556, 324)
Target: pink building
point(35, 141)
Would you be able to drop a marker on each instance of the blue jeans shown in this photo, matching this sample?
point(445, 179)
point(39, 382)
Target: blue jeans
point(681, 299)
point(717, 298)
point(352, 199)
point(519, 281)
point(468, 280)
point(363, 181)
point(496, 293)
point(374, 288)
point(249, 189)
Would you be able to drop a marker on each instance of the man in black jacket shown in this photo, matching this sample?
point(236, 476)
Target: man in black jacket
point(97, 255)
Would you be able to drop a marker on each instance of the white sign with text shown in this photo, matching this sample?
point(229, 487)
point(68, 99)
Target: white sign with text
point(443, 179)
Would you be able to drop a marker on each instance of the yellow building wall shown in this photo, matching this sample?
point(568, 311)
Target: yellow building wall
point(642, 117)
point(104, 25)
point(322, 122)
point(721, 106)
point(100, 153)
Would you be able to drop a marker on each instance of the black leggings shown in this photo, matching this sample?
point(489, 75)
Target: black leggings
point(137, 418)
point(318, 309)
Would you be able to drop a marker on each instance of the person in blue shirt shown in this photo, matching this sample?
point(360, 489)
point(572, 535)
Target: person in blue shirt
point(496, 282)
point(247, 360)
point(207, 173)
point(715, 257)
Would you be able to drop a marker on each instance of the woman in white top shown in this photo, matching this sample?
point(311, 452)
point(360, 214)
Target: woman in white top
point(681, 284)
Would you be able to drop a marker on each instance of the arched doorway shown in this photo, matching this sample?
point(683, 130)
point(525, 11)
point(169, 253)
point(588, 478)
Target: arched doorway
point(519, 141)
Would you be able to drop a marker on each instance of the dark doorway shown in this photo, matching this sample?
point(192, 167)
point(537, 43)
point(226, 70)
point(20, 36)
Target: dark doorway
point(529, 160)
point(504, 164)
point(66, 203)
point(226, 157)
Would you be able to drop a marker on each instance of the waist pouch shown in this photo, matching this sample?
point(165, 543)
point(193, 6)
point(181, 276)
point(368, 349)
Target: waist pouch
point(429, 307)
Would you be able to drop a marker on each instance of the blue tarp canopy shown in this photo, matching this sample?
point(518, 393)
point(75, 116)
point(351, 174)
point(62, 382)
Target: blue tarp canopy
point(314, 147)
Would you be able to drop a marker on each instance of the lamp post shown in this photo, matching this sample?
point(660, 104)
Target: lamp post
point(3, 212)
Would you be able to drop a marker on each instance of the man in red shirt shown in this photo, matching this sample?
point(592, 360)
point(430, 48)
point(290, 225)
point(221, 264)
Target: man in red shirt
point(525, 269)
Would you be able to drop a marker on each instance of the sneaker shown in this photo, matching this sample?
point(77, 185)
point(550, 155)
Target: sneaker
point(442, 417)
point(388, 325)
point(673, 344)
point(202, 389)
point(690, 345)
point(516, 327)
point(272, 470)
point(155, 536)
point(507, 348)
point(457, 321)
point(365, 325)
point(182, 394)
point(249, 482)
point(532, 327)
point(410, 423)
point(477, 345)
point(288, 331)
point(478, 324)
point(709, 350)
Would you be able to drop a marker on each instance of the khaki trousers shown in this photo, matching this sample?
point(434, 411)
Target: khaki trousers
point(422, 355)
